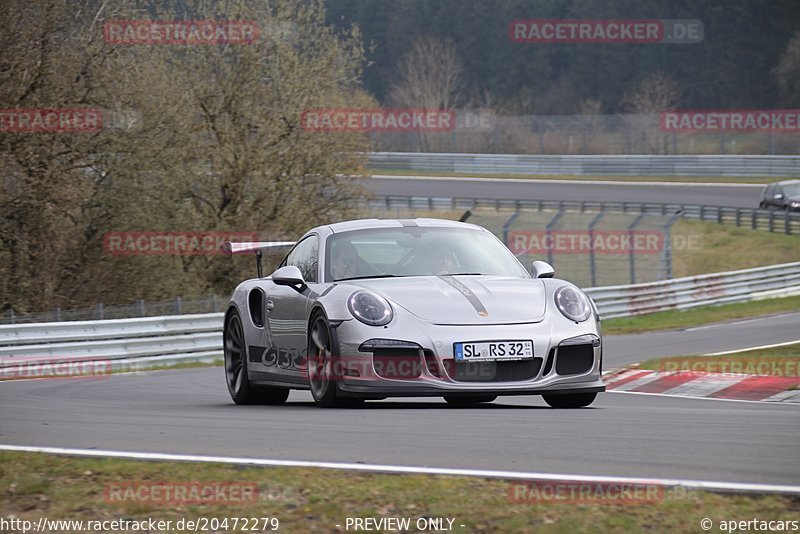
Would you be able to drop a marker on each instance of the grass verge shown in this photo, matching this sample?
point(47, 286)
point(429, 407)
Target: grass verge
point(679, 319)
point(36, 485)
point(776, 361)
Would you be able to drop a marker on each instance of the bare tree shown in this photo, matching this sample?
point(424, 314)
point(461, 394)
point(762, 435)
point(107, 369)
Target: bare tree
point(645, 102)
point(219, 145)
point(787, 73)
point(429, 77)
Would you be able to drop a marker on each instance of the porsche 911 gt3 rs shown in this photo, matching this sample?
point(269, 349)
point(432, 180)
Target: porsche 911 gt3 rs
point(370, 309)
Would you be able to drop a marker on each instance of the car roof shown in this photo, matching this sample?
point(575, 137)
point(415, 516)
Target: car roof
point(363, 224)
point(787, 182)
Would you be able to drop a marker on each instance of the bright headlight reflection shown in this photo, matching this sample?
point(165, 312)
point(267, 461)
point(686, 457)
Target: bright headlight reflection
point(573, 304)
point(370, 308)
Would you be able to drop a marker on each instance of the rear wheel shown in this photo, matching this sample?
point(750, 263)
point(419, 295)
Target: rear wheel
point(239, 386)
point(460, 400)
point(578, 400)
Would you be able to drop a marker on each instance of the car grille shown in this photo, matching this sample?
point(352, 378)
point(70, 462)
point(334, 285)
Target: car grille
point(511, 371)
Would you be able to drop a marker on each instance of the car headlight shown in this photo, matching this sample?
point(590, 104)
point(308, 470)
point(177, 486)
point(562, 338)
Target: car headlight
point(370, 308)
point(573, 304)
point(796, 204)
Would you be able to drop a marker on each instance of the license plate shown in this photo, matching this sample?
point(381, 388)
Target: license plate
point(483, 351)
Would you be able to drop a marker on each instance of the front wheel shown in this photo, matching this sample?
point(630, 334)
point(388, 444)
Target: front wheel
point(239, 386)
point(578, 400)
point(322, 366)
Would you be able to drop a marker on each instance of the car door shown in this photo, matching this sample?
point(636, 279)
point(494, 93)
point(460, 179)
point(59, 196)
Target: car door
point(766, 197)
point(779, 197)
point(287, 313)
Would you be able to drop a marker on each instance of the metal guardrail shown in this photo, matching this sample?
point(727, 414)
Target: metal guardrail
point(693, 291)
point(199, 337)
point(783, 222)
point(596, 165)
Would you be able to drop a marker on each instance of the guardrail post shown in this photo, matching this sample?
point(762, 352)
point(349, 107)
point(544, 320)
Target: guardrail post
point(178, 306)
point(141, 307)
point(754, 219)
point(592, 267)
point(549, 229)
point(214, 303)
point(771, 220)
point(738, 217)
point(58, 313)
point(507, 225)
point(99, 310)
point(719, 215)
point(786, 229)
point(631, 261)
point(11, 318)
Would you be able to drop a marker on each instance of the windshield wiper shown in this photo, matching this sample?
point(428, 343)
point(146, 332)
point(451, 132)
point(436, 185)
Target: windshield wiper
point(369, 276)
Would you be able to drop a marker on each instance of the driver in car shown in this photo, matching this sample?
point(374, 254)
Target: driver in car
point(443, 261)
point(344, 260)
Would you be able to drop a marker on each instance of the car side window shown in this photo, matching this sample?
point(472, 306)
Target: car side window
point(769, 191)
point(304, 256)
point(778, 190)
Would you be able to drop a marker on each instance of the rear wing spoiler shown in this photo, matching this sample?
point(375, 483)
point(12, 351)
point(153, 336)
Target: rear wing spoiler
point(256, 247)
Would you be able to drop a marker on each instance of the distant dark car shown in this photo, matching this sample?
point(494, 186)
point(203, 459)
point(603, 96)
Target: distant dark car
point(782, 196)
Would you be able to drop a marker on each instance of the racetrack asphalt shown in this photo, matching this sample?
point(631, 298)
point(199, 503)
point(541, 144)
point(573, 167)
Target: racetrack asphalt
point(189, 412)
point(740, 195)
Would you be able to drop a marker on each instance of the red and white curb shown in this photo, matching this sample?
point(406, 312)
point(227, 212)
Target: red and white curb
point(710, 385)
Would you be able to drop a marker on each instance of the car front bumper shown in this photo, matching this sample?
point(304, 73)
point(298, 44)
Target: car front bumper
point(567, 359)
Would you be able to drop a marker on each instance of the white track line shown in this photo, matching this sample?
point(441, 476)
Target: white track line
point(551, 181)
point(696, 484)
point(753, 348)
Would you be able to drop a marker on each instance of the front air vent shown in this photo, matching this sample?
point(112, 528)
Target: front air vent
point(574, 359)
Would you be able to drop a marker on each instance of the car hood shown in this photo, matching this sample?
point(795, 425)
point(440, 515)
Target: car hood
point(465, 300)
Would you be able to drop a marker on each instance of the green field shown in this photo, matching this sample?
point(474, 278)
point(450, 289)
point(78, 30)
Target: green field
point(679, 319)
point(37, 485)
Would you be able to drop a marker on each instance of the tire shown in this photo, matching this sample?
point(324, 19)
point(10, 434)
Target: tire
point(460, 400)
point(322, 379)
point(236, 377)
point(578, 400)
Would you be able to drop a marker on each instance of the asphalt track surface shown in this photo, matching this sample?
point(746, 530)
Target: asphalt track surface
point(739, 195)
point(190, 412)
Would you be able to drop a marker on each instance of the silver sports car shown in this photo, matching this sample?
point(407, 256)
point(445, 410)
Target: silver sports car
point(371, 309)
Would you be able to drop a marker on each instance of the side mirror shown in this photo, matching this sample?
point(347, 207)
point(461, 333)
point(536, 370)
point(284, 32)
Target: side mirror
point(778, 196)
point(289, 275)
point(542, 269)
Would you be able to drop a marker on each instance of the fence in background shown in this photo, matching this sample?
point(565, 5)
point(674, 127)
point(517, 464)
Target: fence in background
point(782, 222)
point(594, 165)
point(175, 339)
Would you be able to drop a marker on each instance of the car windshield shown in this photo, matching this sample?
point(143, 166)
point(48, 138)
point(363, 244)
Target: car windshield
point(417, 251)
point(791, 190)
